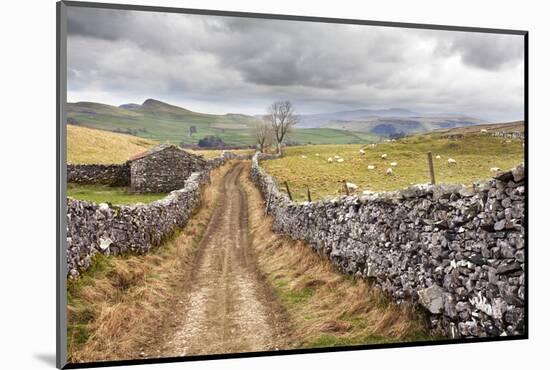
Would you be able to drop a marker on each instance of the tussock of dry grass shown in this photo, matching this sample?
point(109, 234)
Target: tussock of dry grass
point(116, 306)
point(327, 308)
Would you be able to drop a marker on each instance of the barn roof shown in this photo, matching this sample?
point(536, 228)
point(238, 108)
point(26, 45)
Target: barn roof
point(156, 149)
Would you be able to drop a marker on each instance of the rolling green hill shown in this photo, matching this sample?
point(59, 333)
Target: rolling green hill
point(163, 122)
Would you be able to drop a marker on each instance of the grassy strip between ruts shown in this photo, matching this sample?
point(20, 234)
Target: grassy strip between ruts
point(116, 305)
point(326, 307)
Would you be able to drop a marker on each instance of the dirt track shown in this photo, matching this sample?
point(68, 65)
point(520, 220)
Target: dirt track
point(228, 307)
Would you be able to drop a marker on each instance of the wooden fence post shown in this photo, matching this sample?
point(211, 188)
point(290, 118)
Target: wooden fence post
point(308, 195)
point(431, 168)
point(288, 191)
point(346, 186)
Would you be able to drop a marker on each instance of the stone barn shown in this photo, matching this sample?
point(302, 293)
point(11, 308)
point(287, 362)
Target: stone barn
point(162, 169)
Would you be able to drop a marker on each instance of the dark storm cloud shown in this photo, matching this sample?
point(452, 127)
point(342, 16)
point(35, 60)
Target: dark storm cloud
point(226, 64)
point(480, 50)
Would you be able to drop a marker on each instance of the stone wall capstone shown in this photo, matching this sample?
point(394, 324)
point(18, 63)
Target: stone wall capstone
point(458, 251)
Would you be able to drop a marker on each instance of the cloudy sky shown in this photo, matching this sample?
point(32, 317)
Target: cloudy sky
point(221, 64)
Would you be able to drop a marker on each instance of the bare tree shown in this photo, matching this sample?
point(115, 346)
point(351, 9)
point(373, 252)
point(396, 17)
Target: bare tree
point(264, 135)
point(282, 118)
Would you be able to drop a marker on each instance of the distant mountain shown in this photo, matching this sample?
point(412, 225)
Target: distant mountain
point(384, 122)
point(317, 120)
point(160, 121)
point(130, 106)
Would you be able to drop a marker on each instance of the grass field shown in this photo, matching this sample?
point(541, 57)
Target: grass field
point(475, 155)
point(330, 136)
point(85, 145)
point(108, 194)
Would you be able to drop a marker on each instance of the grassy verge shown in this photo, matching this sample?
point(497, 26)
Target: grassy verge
point(308, 165)
point(109, 194)
point(326, 307)
point(115, 307)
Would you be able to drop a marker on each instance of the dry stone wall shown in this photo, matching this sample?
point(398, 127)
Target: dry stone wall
point(458, 251)
point(105, 174)
point(102, 228)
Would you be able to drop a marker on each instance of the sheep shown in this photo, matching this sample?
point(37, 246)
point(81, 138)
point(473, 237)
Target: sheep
point(361, 151)
point(304, 157)
point(316, 154)
point(495, 169)
point(351, 187)
point(438, 157)
point(393, 164)
point(451, 161)
point(370, 167)
point(329, 160)
point(340, 160)
point(336, 157)
point(384, 156)
point(389, 171)
point(483, 131)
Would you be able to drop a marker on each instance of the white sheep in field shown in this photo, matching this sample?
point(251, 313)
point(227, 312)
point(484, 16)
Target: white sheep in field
point(389, 171)
point(329, 160)
point(316, 154)
point(384, 156)
point(438, 157)
point(352, 188)
point(393, 164)
point(370, 167)
point(495, 169)
point(340, 160)
point(336, 157)
point(483, 131)
point(451, 161)
point(361, 151)
point(304, 157)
